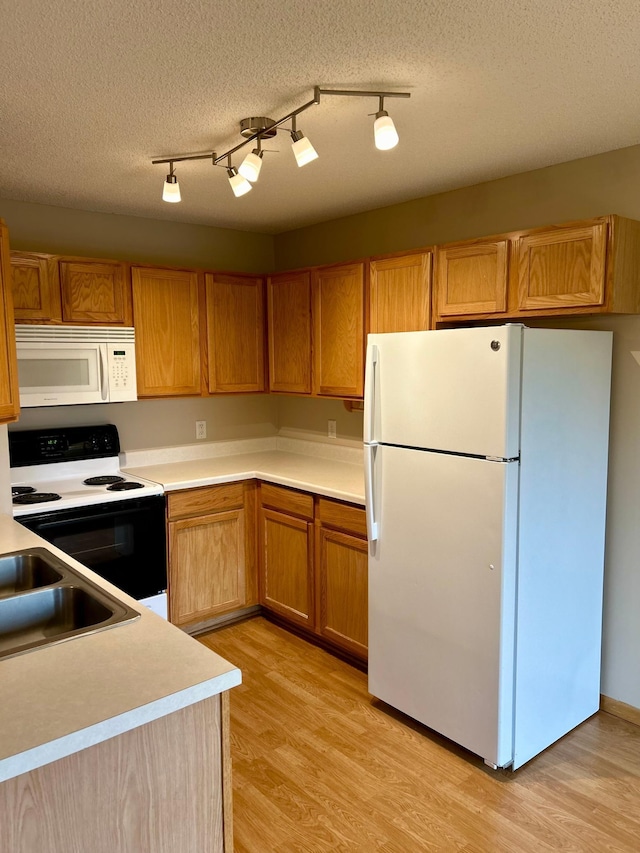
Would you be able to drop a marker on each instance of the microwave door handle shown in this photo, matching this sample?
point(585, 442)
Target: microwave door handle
point(103, 372)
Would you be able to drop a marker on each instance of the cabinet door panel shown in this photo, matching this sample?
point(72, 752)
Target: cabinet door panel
point(166, 319)
point(338, 340)
point(35, 287)
point(562, 268)
point(472, 279)
point(9, 395)
point(93, 292)
point(400, 293)
point(287, 567)
point(206, 566)
point(343, 584)
point(235, 331)
point(289, 325)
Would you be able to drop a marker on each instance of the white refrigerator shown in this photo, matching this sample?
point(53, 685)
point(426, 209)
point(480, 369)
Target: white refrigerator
point(486, 478)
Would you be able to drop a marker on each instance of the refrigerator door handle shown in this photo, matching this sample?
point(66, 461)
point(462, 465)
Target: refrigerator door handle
point(369, 492)
point(370, 383)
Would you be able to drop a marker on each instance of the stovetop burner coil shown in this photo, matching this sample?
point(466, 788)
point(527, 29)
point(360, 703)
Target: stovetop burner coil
point(21, 490)
point(125, 486)
point(36, 498)
point(102, 481)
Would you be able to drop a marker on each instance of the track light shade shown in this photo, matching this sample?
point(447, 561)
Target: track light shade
point(171, 189)
point(384, 131)
point(251, 165)
point(303, 150)
point(239, 185)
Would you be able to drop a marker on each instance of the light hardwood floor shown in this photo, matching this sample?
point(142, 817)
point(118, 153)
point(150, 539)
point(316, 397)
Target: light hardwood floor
point(318, 765)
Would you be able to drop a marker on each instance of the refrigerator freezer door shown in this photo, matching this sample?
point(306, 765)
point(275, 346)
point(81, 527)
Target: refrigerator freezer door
point(442, 595)
point(456, 390)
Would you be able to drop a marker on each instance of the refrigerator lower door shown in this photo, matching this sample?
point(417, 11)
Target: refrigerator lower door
point(442, 595)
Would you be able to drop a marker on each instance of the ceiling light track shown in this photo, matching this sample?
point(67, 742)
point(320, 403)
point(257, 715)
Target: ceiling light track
point(259, 128)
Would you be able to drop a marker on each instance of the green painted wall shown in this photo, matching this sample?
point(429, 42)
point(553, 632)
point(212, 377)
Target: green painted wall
point(593, 186)
point(43, 228)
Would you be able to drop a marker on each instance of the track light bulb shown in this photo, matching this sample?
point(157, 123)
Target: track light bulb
point(303, 150)
point(251, 165)
point(171, 189)
point(239, 185)
point(384, 131)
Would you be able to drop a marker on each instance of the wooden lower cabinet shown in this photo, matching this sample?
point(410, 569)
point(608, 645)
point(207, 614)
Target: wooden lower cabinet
point(210, 551)
point(313, 566)
point(286, 566)
point(159, 788)
point(342, 576)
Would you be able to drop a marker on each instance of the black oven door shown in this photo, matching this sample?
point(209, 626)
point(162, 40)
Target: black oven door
point(124, 541)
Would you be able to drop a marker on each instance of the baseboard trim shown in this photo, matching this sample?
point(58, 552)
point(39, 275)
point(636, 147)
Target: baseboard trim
point(221, 621)
point(620, 709)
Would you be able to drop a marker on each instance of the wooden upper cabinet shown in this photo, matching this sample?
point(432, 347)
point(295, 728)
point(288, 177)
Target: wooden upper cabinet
point(289, 332)
point(338, 331)
point(82, 291)
point(235, 333)
point(562, 267)
point(36, 287)
point(166, 319)
point(94, 292)
point(471, 278)
point(400, 293)
point(9, 394)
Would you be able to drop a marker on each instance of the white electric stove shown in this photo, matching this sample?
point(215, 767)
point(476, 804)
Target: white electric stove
point(68, 488)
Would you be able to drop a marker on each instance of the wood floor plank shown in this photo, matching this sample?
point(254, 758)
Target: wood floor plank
point(319, 766)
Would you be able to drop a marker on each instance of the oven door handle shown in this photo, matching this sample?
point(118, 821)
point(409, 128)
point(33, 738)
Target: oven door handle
point(103, 372)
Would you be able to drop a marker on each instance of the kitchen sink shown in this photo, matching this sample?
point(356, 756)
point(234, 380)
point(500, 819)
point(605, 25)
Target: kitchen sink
point(25, 571)
point(44, 600)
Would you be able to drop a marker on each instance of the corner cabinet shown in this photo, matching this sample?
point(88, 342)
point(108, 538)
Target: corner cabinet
point(286, 554)
point(166, 316)
point(9, 394)
point(586, 267)
point(289, 325)
point(338, 330)
point(210, 551)
point(81, 291)
point(235, 333)
point(400, 292)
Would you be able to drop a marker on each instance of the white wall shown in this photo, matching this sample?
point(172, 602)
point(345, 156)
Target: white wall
point(5, 482)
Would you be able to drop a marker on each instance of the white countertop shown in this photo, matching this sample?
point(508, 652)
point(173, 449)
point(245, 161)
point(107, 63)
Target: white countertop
point(335, 472)
point(60, 699)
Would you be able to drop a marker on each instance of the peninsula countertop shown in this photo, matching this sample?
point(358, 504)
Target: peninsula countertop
point(60, 699)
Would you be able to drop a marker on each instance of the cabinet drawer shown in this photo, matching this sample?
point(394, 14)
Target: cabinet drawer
point(287, 500)
point(343, 516)
point(205, 500)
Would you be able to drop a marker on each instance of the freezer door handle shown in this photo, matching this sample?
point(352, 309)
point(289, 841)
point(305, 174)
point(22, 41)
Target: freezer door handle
point(370, 384)
point(369, 491)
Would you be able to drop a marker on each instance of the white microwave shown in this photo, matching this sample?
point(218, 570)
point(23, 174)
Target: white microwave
point(69, 365)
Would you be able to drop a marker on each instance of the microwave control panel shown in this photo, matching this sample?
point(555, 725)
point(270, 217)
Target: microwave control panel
point(122, 372)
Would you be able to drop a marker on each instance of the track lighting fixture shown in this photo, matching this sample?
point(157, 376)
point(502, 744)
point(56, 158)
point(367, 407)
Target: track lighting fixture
point(384, 130)
point(252, 163)
point(259, 128)
point(239, 185)
point(303, 150)
point(171, 188)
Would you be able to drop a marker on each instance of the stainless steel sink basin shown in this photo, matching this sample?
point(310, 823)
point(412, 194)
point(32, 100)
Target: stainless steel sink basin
point(43, 600)
point(25, 571)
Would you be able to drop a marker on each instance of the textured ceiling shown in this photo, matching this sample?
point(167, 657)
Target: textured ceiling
point(91, 91)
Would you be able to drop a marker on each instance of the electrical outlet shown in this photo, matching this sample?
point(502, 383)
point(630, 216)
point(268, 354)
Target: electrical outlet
point(201, 429)
point(331, 429)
